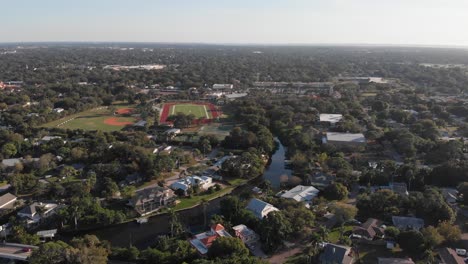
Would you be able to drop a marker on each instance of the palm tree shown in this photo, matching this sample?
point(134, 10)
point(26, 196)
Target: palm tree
point(323, 231)
point(204, 203)
point(176, 225)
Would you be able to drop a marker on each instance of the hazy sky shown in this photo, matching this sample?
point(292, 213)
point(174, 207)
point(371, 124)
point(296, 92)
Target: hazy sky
point(428, 22)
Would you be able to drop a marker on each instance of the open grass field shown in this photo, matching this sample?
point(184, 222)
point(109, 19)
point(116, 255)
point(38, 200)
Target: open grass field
point(97, 119)
point(200, 111)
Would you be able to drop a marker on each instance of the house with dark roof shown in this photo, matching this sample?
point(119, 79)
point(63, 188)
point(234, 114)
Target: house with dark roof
point(336, 254)
point(449, 256)
point(395, 261)
point(370, 229)
point(7, 200)
point(152, 199)
point(405, 223)
point(399, 187)
point(321, 180)
point(203, 241)
point(260, 208)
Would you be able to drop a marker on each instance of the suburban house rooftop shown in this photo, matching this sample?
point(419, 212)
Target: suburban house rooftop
point(331, 118)
point(301, 193)
point(346, 137)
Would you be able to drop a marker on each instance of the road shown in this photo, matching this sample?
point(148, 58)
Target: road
point(12, 251)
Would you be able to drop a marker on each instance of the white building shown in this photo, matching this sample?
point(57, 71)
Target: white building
point(331, 118)
point(338, 138)
point(218, 86)
point(301, 193)
point(58, 110)
point(260, 208)
point(246, 234)
point(204, 182)
point(35, 212)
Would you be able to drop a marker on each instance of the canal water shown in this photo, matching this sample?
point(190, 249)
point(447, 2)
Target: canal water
point(144, 235)
point(277, 166)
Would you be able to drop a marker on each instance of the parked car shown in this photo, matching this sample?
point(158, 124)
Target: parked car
point(460, 251)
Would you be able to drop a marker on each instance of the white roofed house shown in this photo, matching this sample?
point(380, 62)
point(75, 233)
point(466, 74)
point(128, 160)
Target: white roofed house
point(37, 211)
point(331, 119)
point(203, 182)
point(222, 86)
point(260, 208)
point(246, 234)
point(301, 193)
point(344, 139)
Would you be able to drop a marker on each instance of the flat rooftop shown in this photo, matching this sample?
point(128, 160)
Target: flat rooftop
point(346, 137)
point(332, 118)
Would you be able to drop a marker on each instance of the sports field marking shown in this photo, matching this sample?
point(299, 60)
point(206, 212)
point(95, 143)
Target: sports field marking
point(173, 109)
point(206, 112)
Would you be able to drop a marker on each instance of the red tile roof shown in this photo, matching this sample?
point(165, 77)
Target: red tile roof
point(207, 241)
point(217, 227)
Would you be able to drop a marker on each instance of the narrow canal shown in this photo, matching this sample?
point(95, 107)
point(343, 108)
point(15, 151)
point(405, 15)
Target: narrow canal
point(144, 235)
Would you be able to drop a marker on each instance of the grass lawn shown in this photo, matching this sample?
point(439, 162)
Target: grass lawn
point(200, 111)
point(219, 130)
point(334, 235)
point(237, 182)
point(196, 199)
point(94, 119)
point(370, 253)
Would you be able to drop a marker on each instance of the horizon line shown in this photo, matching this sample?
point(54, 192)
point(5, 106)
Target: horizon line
point(454, 46)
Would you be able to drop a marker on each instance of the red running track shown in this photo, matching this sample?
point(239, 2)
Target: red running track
point(215, 113)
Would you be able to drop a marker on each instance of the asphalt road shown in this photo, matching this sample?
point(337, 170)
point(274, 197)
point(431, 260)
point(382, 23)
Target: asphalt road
point(13, 252)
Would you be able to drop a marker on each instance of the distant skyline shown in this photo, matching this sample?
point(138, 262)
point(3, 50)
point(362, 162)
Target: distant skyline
point(372, 22)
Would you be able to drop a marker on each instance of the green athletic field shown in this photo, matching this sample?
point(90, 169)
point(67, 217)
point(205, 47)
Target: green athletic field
point(199, 111)
point(95, 119)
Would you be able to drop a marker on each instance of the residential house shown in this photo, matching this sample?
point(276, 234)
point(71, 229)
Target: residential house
point(234, 96)
point(404, 222)
point(151, 199)
point(344, 139)
point(301, 193)
point(246, 234)
point(8, 163)
point(37, 211)
point(321, 180)
point(450, 195)
point(330, 119)
point(260, 208)
point(395, 261)
point(7, 200)
point(336, 254)
point(141, 123)
point(370, 229)
point(223, 86)
point(203, 241)
point(58, 110)
point(203, 182)
point(46, 139)
point(449, 256)
point(133, 178)
point(399, 187)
